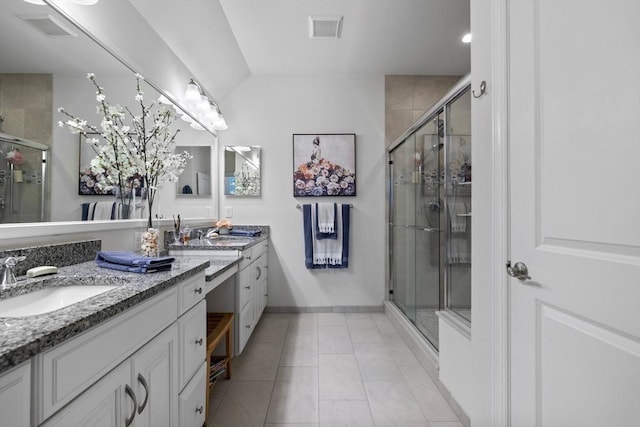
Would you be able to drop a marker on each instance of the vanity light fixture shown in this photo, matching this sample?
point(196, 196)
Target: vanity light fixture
point(204, 109)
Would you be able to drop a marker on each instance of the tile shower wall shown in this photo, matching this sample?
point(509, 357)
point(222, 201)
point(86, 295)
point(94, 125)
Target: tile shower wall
point(409, 97)
point(26, 103)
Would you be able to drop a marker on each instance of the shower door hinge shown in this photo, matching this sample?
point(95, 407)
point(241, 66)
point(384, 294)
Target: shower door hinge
point(390, 162)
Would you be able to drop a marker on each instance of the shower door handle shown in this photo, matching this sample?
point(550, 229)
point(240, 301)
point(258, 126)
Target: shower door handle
point(415, 227)
point(519, 271)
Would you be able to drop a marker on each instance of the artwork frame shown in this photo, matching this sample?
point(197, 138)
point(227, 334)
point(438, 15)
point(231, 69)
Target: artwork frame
point(324, 164)
point(86, 178)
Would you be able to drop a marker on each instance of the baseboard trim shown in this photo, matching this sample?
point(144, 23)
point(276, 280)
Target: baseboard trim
point(328, 309)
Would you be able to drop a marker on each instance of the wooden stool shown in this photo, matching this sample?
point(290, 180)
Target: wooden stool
point(219, 325)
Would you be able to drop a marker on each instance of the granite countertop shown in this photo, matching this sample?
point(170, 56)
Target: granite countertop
point(24, 337)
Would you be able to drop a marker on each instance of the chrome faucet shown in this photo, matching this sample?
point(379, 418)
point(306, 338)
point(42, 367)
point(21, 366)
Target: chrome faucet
point(8, 264)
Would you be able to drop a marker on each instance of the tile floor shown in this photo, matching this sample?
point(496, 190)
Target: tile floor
point(328, 369)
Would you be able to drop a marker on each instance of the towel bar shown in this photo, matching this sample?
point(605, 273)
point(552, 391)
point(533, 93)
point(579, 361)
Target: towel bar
point(299, 206)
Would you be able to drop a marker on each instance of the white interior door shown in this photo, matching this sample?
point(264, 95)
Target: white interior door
point(574, 140)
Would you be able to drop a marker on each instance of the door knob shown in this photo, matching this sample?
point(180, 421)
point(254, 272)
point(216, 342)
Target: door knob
point(519, 270)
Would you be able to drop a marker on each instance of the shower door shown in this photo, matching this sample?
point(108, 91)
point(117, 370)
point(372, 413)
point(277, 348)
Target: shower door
point(415, 226)
point(22, 172)
point(430, 215)
point(458, 206)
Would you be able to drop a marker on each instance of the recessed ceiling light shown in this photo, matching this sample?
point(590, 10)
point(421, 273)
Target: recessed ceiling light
point(466, 38)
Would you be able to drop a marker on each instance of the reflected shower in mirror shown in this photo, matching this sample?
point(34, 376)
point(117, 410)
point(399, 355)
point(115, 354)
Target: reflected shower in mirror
point(195, 181)
point(241, 170)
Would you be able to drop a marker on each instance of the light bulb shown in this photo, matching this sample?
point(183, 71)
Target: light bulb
point(220, 124)
point(192, 94)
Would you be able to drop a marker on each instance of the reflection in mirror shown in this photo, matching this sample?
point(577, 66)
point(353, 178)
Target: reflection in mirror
point(195, 181)
point(241, 171)
point(38, 74)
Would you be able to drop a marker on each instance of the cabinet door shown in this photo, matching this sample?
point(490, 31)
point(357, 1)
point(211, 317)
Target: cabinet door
point(155, 380)
point(108, 403)
point(15, 396)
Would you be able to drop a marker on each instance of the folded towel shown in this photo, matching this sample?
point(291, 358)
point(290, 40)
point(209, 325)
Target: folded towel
point(248, 233)
point(326, 217)
point(139, 269)
point(321, 209)
point(129, 261)
point(326, 253)
point(103, 211)
point(458, 223)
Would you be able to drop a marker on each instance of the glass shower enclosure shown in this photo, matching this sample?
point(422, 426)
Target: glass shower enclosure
point(22, 180)
point(430, 214)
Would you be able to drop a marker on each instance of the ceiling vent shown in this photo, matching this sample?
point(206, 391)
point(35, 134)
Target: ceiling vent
point(325, 27)
point(48, 25)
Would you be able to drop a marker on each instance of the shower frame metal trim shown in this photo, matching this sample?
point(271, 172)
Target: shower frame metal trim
point(438, 108)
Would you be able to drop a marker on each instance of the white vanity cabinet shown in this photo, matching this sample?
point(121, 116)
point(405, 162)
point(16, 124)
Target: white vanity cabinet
point(251, 292)
point(125, 396)
point(129, 370)
point(15, 392)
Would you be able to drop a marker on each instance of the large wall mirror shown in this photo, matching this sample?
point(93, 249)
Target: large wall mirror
point(241, 170)
point(40, 72)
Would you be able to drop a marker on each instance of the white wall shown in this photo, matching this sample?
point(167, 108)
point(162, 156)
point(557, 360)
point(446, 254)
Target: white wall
point(482, 247)
point(455, 363)
point(266, 111)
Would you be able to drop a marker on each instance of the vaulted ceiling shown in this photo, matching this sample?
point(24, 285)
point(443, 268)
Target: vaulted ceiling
point(222, 42)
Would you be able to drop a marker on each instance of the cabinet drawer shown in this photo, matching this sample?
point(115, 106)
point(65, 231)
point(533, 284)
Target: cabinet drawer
point(245, 326)
point(192, 400)
point(190, 292)
point(260, 249)
point(193, 342)
point(247, 258)
point(66, 370)
point(245, 281)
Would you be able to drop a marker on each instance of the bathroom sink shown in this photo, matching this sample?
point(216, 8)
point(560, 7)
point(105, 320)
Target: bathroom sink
point(221, 241)
point(49, 299)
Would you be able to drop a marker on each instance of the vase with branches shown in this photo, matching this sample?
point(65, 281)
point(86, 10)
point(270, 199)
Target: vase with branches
point(140, 148)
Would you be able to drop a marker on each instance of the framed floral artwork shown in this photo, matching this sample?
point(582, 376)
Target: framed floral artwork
point(324, 164)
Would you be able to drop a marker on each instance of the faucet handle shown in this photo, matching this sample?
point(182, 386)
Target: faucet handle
point(7, 273)
point(12, 261)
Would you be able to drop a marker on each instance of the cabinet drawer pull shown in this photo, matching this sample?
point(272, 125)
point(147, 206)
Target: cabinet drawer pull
point(200, 341)
point(259, 273)
point(248, 326)
point(198, 291)
point(142, 381)
point(247, 287)
point(132, 396)
point(248, 257)
point(200, 409)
